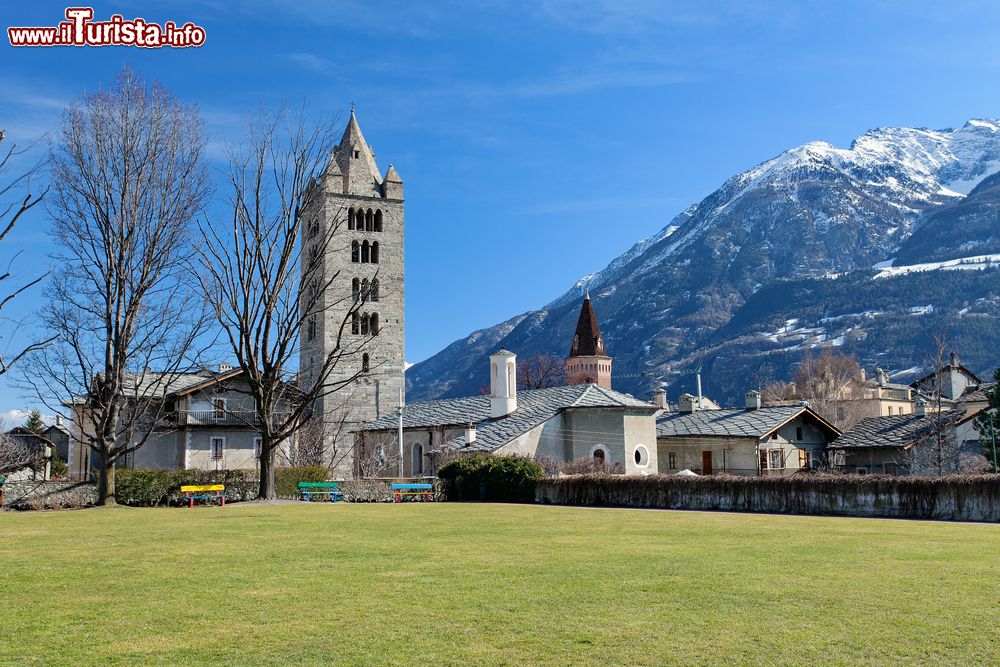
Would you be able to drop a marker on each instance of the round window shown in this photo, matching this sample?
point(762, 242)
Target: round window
point(641, 456)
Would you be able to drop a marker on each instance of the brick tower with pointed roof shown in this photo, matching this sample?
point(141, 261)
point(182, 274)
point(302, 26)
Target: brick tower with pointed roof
point(365, 262)
point(588, 361)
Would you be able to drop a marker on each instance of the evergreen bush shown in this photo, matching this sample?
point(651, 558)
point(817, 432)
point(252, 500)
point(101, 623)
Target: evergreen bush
point(487, 477)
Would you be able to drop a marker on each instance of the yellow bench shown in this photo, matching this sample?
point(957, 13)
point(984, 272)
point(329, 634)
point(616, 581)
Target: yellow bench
point(204, 491)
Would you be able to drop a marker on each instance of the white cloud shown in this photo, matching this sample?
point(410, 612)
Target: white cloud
point(17, 417)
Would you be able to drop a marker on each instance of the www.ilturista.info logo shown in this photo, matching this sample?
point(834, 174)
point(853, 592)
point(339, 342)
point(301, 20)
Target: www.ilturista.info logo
point(79, 29)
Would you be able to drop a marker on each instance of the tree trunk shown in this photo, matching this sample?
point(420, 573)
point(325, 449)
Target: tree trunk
point(266, 489)
point(106, 482)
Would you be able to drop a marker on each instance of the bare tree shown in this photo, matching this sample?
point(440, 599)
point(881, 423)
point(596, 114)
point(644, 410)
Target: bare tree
point(378, 458)
point(541, 372)
point(128, 183)
point(17, 453)
point(254, 264)
point(319, 441)
point(940, 454)
point(10, 214)
point(831, 384)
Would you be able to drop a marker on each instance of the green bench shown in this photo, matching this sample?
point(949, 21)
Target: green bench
point(321, 489)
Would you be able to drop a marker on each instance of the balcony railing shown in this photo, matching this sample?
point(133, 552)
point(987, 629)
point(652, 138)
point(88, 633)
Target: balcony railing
point(218, 418)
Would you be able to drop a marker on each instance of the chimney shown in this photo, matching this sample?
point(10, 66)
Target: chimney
point(503, 384)
point(921, 409)
point(862, 375)
point(225, 367)
point(753, 400)
point(954, 360)
point(660, 399)
point(687, 403)
point(59, 420)
point(470, 434)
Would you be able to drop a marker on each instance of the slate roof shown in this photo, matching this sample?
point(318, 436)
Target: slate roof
point(153, 384)
point(893, 431)
point(978, 394)
point(534, 407)
point(732, 423)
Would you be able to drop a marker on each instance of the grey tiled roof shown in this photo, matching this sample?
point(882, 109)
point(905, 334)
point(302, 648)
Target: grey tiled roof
point(727, 423)
point(979, 393)
point(534, 407)
point(893, 430)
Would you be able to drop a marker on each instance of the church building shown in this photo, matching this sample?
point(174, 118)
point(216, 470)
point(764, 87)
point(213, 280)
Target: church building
point(583, 421)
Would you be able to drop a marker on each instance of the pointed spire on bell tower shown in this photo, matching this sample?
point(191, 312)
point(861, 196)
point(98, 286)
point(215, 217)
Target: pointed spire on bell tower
point(356, 161)
point(588, 360)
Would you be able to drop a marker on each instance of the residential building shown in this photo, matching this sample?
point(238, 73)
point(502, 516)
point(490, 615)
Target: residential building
point(27, 456)
point(920, 443)
point(366, 257)
point(755, 440)
point(562, 424)
point(58, 435)
point(208, 423)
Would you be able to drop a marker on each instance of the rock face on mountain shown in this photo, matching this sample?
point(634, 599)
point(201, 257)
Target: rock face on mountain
point(816, 215)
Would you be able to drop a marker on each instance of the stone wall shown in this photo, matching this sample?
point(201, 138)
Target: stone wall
point(956, 498)
point(31, 495)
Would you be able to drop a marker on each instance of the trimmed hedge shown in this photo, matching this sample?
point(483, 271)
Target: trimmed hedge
point(149, 488)
point(487, 477)
point(958, 497)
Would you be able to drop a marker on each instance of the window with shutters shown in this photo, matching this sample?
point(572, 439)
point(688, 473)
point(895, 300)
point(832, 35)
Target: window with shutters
point(776, 462)
point(217, 445)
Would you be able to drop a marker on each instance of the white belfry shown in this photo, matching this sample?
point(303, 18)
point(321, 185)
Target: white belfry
point(503, 383)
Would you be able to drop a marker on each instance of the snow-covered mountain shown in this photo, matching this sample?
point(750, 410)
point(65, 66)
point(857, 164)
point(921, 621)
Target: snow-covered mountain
point(810, 213)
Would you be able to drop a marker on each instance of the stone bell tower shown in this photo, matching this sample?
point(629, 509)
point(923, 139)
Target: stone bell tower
point(364, 260)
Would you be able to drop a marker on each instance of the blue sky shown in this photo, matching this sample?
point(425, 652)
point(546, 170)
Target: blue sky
point(537, 140)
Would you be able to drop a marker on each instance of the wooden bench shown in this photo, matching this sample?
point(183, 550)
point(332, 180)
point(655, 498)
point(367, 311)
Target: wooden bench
point(329, 489)
point(204, 492)
point(425, 490)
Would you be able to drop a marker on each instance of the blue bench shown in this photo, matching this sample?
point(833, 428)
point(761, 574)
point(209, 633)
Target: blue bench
point(425, 490)
point(322, 489)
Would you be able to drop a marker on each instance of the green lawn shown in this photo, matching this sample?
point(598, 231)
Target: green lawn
point(491, 584)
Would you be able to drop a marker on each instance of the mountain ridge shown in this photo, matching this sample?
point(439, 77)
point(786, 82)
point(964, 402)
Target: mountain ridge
point(809, 213)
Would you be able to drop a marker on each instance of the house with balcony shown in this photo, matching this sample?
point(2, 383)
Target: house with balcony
point(207, 422)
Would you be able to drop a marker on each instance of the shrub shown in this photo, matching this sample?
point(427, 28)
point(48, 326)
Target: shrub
point(58, 469)
point(486, 477)
point(148, 488)
point(286, 479)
